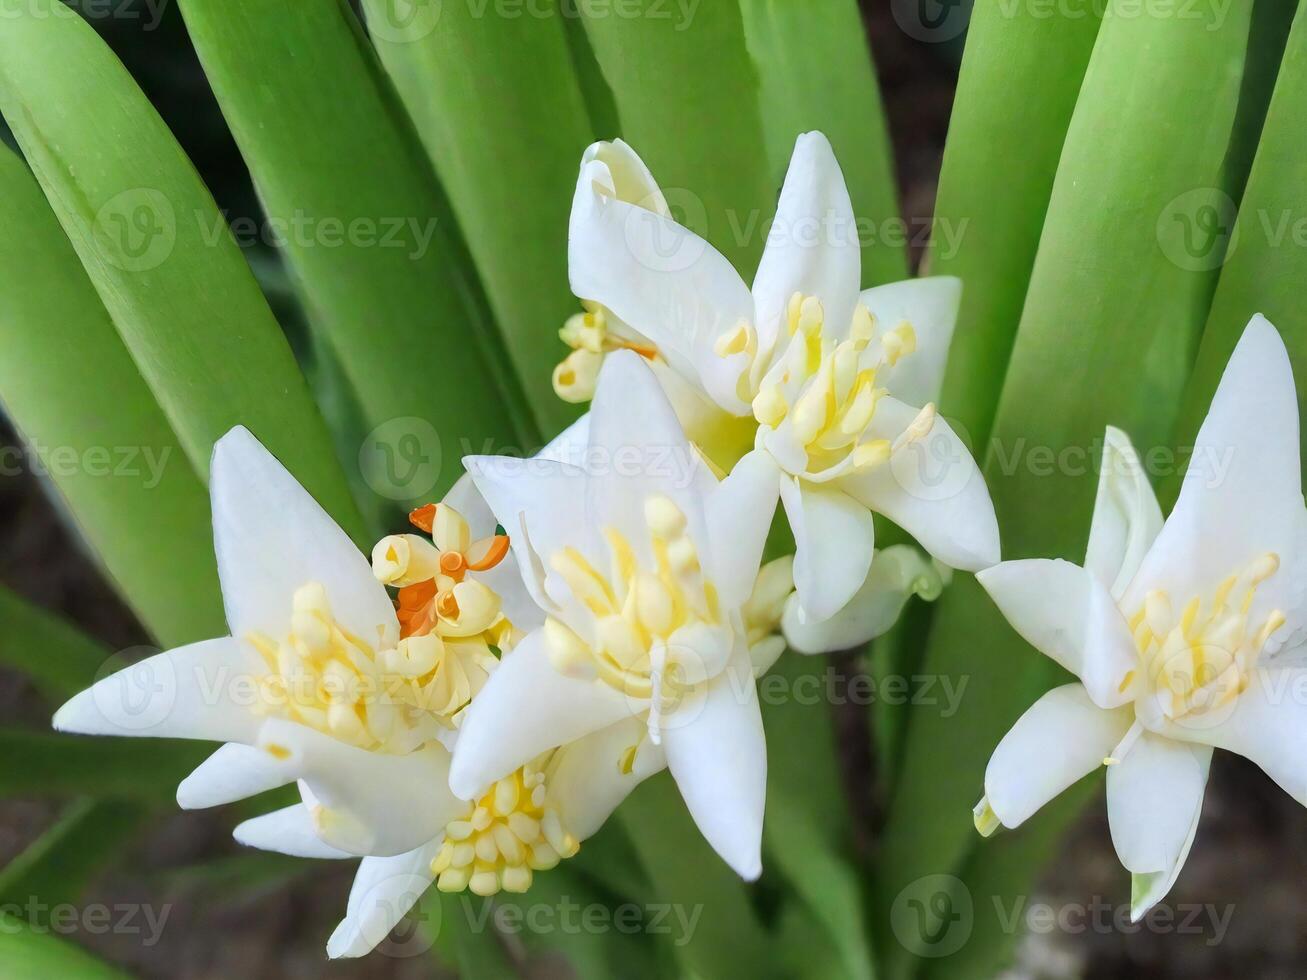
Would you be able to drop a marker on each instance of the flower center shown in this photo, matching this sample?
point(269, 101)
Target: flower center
point(505, 836)
point(1203, 658)
point(825, 389)
point(323, 676)
point(590, 338)
point(657, 631)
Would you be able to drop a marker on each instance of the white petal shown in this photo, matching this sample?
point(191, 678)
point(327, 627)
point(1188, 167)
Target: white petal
point(661, 279)
point(370, 802)
point(834, 538)
point(1065, 612)
point(384, 890)
point(526, 707)
point(931, 305)
point(632, 180)
point(812, 247)
point(271, 538)
point(1242, 493)
point(1061, 738)
point(286, 831)
point(1146, 890)
point(1127, 517)
point(717, 754)
point(1266, 724)
point(1153, 797)
point(587, 782)
point(932, 489)
point(190, 692)
point(739, 514)
point(897, 573)
point(232, 773)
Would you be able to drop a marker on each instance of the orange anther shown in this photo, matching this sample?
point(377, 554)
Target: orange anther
point(423, 517)
point(453, 564)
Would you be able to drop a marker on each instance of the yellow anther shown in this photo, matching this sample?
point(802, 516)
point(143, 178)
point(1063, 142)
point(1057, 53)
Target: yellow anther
point(792, 311)
point(476, 608)
point(863, 327)
point(900, 341)
point(575, 377)
point(872, 453)
point(986, 820)
point(402, 559)
point(664, 518)
point(567, 651)
point(655, 604)
point(735, 341)
point(585, 583)
point(769, 406)
point(620, 638)
point(1157, 612)
point(918, 428)
point(450, 530)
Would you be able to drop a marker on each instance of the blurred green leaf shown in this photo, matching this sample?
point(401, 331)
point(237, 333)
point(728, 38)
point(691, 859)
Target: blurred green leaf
point(1115, 303)
point(725, 938)
point(1021, 72)
point(133, 768)
point(687, 97)
point(33, 953)
point(815, 72)
point(93, 426)
point(59, 658)
point(1266, 264)
point(498, 107)
point(157, 250)
point(368, 232)
point(87, 837)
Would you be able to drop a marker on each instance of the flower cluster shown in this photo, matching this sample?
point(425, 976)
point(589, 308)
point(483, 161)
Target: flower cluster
point(469, 706)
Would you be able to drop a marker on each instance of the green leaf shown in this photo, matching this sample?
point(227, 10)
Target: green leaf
point(33, 953)
point(158, 252)
point(815, 72)
point(87, 837)
point(726, 940)
point(131, 768)
point(1020, 75)
point(1106, 334)
point(336, 162)
point(93, 426)
point(499, 109)
point(687, 97)
point(1266, 264)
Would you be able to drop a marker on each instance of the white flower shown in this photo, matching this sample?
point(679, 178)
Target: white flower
point(643, 564)
point(297, 691)
point(1175, 630)
point(828, 381)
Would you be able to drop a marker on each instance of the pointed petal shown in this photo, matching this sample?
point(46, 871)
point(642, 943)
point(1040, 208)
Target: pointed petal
point(717, 754)
point(661, 279)
point(1061, 738)
point(588, 781)
point(1242, 494)
point(930, 305)
point(189, 692)
point(286, 831)
point(1149, 888)
point(812, 247)
point(1065, 613)
point(1127, 517)
point(271, 537)
point(897, 573)
point(632, 180)
point(368, 802)
point(932, 489)
point(384, 890)
point(526, 707)
point(232, 773)
point(1154, 796)
point(834, 538)
point(739, 514)
point(1266, 724)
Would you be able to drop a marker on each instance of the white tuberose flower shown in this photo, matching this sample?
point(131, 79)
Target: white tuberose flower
point(643, 564)
point(1173, 630)
point(828, 381)
point(297, 690)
